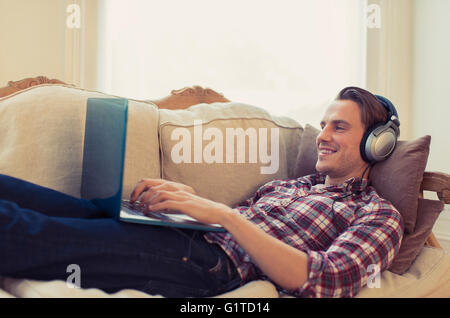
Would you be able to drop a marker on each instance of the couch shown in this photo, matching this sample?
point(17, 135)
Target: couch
point(54, 115)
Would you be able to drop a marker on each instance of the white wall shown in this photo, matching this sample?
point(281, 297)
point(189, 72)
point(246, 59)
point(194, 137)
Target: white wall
point(290, 57)
point(36, 40)
point(389, 58)
point(31, 39)
point(431, 86)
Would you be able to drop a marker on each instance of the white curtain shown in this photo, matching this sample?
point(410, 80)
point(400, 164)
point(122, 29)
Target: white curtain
point(290, 57)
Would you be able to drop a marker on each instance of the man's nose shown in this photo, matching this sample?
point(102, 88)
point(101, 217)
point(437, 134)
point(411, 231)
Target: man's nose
point(324, 135)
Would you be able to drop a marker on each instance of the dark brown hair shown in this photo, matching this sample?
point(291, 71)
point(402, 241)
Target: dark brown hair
point(372, 111)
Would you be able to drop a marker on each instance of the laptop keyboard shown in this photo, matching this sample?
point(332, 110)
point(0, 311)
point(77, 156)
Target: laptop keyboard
point(135, 209)
point(132, 208)
point(172, 218)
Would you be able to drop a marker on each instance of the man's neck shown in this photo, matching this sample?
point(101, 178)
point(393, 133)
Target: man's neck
point(340, 180)
point(334, 181)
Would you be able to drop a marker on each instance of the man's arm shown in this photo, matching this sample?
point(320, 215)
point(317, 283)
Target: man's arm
point(360, 253)
point(283, 264)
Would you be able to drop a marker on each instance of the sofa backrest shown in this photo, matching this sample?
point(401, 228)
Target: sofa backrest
point(42, 134)
point(225, 151)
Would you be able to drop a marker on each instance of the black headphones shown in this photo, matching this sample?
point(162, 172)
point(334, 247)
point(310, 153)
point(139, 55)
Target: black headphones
point(379, 141)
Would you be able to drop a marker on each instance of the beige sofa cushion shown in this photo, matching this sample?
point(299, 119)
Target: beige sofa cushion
point(429, 276)
point(198, 148)
point(28, 288)
point(43, 129)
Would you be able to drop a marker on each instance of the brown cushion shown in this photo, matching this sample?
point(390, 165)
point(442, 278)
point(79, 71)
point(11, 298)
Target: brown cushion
point(427, 214)
point(397, 179)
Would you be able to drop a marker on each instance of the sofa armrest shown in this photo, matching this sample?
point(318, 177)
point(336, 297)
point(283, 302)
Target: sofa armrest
point(16, 86)
point(438, 182)
point(188, 96)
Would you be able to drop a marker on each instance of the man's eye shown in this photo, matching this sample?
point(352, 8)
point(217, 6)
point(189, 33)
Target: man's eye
point(339, 128)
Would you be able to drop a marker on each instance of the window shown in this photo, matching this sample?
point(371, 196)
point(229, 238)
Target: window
point(290, 57)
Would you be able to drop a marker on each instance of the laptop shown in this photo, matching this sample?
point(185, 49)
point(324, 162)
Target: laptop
point(103, 168)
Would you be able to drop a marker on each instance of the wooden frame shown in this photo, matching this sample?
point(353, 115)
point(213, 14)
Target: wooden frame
point(178, 99)
point(15, 86)
point(437, 182)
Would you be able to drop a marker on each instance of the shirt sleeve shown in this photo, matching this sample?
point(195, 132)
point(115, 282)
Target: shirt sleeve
point(366, 248)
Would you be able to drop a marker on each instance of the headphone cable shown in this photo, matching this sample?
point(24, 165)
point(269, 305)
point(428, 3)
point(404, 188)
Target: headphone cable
point(370, 165)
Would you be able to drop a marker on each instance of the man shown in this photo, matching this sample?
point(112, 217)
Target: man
point(315, 236)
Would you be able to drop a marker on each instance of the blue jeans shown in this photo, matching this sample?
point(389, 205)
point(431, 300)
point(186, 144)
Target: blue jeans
point(43, 231)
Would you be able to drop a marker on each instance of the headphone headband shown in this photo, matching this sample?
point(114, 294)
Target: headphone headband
point(387, 104)
point(391, 111)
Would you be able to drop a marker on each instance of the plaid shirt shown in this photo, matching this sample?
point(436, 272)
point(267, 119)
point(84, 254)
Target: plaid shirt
point(342, 228)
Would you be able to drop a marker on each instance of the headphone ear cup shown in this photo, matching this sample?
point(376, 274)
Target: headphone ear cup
point(363, 145)
point(379, 143)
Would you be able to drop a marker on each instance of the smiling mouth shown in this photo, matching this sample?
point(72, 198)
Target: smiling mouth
point(323, 152)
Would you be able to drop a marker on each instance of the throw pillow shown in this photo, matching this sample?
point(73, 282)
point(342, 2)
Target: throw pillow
point(427, 214)
point(398, 178)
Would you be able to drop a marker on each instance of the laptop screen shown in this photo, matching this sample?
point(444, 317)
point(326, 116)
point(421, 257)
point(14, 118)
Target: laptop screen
point(104, 153)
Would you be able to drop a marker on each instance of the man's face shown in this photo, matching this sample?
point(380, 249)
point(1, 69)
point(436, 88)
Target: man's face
point(338, 143)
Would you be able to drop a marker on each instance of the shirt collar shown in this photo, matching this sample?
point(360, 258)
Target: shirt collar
point(354, 184)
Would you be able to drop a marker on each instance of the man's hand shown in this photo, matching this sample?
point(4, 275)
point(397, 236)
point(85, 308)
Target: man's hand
point(158, 195)
point(146, 188)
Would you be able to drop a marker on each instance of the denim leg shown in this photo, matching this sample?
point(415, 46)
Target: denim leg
point(211, 271)
point(47, 201)
point(111, 255)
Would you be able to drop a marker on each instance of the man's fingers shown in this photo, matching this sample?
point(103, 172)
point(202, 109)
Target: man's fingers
point(148, 193)
point(137, 191)
point(153, 190)
point(143, 186)
point(152, 185)
point(163, 195)
point(164, 205)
